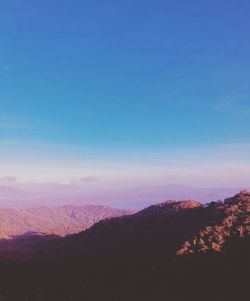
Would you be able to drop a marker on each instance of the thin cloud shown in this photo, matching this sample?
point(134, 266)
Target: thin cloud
point(13, 122)
point(82, 180)
point(8, 180)
point(233, 108)
point(4, 67)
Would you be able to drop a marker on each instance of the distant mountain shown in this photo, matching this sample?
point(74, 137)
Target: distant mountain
point(59, 221)
point(140, 197)
point(8, 192)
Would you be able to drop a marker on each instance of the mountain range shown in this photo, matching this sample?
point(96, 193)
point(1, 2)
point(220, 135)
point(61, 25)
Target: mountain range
point(174, 250)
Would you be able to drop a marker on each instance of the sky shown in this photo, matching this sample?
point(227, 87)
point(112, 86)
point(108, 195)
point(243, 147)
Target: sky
point(124, 93)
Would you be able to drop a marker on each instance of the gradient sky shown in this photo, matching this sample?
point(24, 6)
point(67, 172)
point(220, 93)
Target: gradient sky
point(125, 91)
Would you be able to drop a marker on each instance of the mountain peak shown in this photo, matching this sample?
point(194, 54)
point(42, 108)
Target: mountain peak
point(171, 206)
point(241, 197)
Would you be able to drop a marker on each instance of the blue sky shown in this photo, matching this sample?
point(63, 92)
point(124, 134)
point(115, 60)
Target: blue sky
point(121, 79)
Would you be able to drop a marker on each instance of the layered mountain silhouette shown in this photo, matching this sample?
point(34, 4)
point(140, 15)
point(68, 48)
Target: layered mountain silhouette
point(171, 227)
point(170, 251)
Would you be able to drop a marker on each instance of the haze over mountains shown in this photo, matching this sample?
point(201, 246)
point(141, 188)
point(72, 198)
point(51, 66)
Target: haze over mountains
point(26, 195)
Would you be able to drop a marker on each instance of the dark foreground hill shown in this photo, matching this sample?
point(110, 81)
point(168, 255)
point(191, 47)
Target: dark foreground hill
point(171, 251)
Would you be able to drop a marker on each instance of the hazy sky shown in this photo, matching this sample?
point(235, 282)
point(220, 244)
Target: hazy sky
point(125, 92)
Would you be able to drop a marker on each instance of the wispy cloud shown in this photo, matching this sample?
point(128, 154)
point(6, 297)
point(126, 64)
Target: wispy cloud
point(14, 122)
point(8, 180)
point(81, 180)
point(5, 67)
point(233, 107)
point(218, 166)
